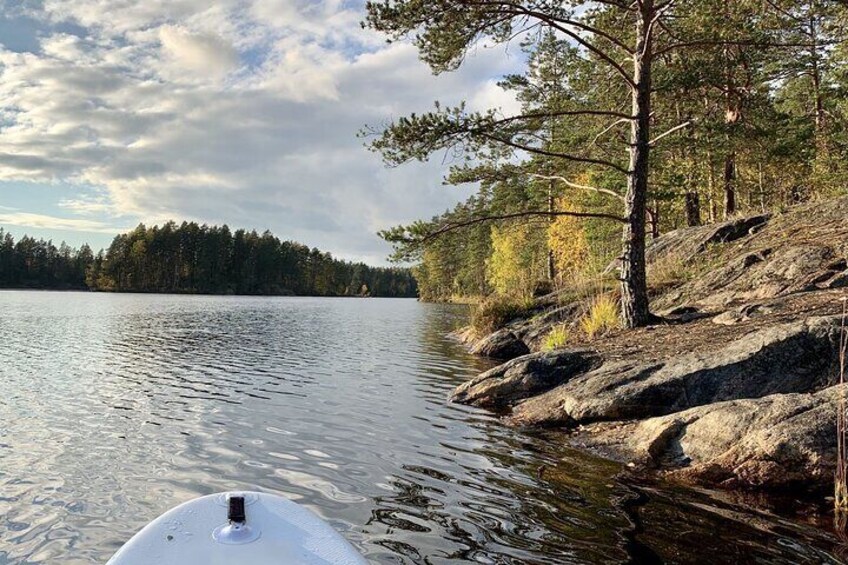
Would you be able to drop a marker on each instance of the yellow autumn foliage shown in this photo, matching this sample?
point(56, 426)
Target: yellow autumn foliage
point(518, 259)
point(567, 240)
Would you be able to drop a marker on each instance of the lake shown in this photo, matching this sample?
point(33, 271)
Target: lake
point(115, 408)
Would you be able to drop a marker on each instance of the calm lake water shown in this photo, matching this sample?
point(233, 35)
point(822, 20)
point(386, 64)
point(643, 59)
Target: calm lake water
point(114, 408)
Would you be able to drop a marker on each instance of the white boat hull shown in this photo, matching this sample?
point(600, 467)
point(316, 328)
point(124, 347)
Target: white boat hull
point(276, 530)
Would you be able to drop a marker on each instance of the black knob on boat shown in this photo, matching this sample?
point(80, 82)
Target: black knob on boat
point(235, 511)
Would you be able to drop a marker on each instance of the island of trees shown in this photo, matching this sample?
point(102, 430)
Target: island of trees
point(192, 258)
point(636, 118)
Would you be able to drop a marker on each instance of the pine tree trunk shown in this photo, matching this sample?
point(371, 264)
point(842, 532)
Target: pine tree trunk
point(821, 158)
point(693, 208)
point(711, 199)
point(655, 220)
point(551, 261)
point(634, 287)
point(729, 184)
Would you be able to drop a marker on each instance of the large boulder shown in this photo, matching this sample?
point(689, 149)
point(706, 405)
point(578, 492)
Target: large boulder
point(793, 357)
point(762, 274)
point(503, 344)
point(775, 441)
point(524, 377)
point(686, 243)
point(802, 250)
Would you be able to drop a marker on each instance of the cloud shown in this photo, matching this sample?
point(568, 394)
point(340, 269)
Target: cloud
point(24, 219)
point(202, 54)
point(240, 111)
point(87, 205)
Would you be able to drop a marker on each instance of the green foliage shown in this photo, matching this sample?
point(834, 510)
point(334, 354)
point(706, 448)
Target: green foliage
point(497, 311)
point(603, 316)
point(557, 338)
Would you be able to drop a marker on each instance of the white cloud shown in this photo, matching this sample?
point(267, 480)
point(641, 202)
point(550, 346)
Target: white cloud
point(87, 205)
point(237, 111)
point(23, 219)
point(202, 54)
point(490, 95)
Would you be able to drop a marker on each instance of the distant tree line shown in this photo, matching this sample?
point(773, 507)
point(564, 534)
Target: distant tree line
point(191, 258)
point(35, 263)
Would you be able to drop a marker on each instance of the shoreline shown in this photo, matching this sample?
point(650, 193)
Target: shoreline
point(86, 291)
point(735, 386)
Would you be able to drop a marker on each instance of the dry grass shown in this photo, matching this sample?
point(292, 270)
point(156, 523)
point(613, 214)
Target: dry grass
point(670, 270)
point(577, 286)
point(557, 338)
point(497, 311)
point(603, 316)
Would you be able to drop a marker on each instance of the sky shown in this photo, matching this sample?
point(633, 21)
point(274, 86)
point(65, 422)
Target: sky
point(244, 112)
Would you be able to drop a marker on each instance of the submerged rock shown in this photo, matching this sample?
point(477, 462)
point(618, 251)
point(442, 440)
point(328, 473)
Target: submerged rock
point(503, 344)
point(524, 377)
point(776, 441)
point(793, 357)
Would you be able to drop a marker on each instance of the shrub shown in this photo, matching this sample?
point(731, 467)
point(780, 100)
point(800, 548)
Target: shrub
point(497, 311)
point(602, 316)
point(557, 338)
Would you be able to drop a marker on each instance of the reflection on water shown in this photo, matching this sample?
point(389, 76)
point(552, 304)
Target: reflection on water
point(115, 408)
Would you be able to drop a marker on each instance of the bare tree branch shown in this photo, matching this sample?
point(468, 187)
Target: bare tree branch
point(557, 22)
point(738, 43)
point(606, 129)
point(671, 131)
point(559, 114)
point(568, 183)
point(562, 25)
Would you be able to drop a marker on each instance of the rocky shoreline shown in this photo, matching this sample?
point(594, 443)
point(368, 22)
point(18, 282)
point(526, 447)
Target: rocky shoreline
point(736, 386)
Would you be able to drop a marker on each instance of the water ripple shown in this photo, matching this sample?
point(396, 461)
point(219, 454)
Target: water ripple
point(118, 407)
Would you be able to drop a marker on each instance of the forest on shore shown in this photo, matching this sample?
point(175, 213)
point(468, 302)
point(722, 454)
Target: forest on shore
point(633, 119)
point(192, 258)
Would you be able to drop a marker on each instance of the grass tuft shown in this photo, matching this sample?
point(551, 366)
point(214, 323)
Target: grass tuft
point(557, 338)
point(603, 316)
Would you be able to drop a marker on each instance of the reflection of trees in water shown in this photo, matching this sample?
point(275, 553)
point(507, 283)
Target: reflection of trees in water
point(438, 321)
point(503, 514)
